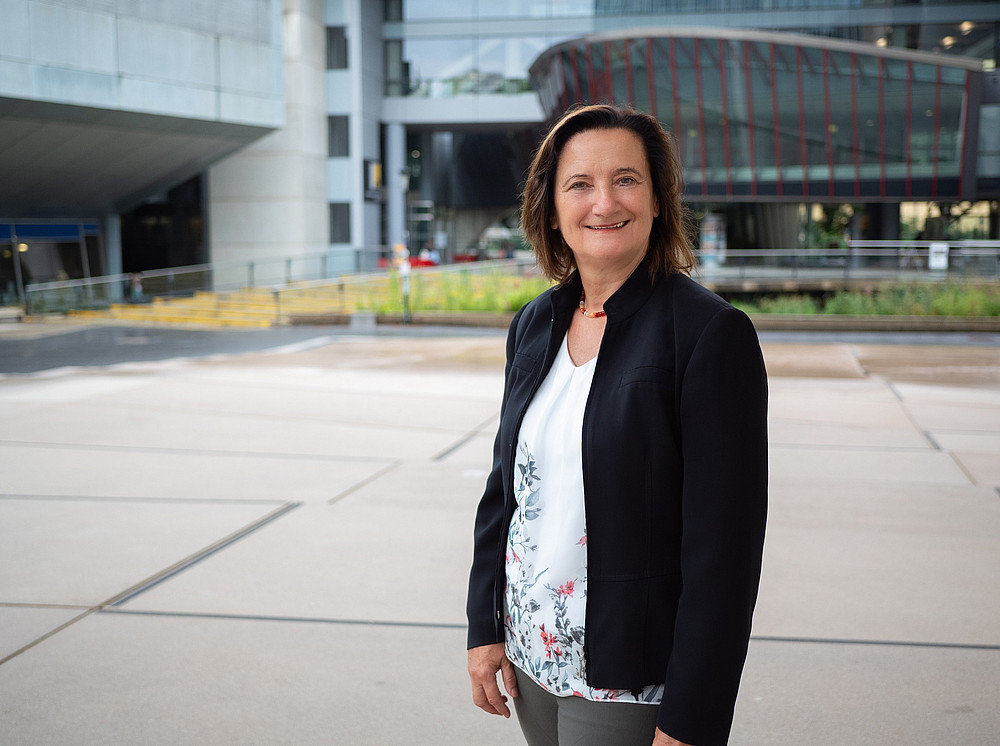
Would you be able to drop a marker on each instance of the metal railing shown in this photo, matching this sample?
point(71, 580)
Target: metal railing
point(286, 279)
point(888, 261)
point(94, 293)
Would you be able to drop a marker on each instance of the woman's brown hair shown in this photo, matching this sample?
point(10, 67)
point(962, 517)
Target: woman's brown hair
point(669, 242)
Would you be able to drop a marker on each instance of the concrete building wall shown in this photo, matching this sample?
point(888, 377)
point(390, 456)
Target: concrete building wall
point(220, 64)
point(371, 77)
point(356, 92)
point(269, 200)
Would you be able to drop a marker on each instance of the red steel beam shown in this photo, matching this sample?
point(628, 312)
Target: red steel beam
point(775, 122)
point(750, 123)
point(725, 117)
point(855, 140)
point(803, 148)
point(702, 148)
point(828, 136)
point(675, 93)
point(650, 77)
point(881, 127)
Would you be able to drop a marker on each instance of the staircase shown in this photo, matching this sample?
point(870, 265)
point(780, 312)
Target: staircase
point(252, 307)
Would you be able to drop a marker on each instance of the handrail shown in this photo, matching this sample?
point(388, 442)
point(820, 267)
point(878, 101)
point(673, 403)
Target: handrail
point(967, 260)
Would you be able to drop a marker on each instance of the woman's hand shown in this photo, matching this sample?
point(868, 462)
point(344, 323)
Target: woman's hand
point(662, 739)
point(484, 662)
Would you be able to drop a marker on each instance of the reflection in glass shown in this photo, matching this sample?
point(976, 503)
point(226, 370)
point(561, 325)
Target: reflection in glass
point(442, 68)
point(459, 10)
point(753, 117)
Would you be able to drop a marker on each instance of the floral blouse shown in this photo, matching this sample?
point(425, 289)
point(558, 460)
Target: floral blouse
point(546, 592)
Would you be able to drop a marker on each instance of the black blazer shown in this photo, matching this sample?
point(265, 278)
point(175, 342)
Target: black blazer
point(675, 481)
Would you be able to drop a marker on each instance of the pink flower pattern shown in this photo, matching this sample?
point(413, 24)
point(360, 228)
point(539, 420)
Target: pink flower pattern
point(544, 616)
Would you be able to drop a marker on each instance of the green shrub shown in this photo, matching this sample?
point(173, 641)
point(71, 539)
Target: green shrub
point(462, 291)
point(790, 304)
point(469, 291)
point(918, 300)
point(851, 303)
point(966, 301)
point(746, 306)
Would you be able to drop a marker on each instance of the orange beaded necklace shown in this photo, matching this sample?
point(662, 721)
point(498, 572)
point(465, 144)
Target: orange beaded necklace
point(589, 314)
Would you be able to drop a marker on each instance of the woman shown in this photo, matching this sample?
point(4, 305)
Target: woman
point(618, 541)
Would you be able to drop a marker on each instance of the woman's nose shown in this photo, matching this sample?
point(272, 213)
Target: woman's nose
point(604, 199)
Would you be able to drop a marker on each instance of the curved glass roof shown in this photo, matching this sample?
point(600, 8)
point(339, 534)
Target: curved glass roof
point(782, 116)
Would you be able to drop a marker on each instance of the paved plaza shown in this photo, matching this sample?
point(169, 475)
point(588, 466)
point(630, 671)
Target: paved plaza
point(270, 545)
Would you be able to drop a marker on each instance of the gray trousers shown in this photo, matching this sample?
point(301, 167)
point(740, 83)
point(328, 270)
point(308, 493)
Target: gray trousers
point(548, 720)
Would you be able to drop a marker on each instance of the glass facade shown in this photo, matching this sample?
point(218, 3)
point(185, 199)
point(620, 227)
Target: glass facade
point(467, 10)
point(446, 67)
point(776, 118)
point(636, 7)
point(46, 251)
point(796, 101)
point(445, 48)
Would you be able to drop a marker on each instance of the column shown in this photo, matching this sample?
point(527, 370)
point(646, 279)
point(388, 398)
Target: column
point(397, 182)
point(113, 253)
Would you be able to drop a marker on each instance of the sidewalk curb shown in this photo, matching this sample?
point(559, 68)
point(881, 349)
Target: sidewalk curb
point(763, 321)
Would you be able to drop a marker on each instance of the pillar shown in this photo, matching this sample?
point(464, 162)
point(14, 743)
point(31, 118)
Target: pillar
point(397, 182)
point(113, 253)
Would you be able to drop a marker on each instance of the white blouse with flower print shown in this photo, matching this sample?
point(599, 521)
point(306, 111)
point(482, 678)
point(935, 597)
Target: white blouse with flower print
point(546, 592)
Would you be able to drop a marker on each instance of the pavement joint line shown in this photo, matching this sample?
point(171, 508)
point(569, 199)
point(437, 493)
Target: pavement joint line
point(193, 377)
point(847, 447)
point(292, 619)
point(304, 346)
point(178, 567)
point(968, 474)
point(192, 451)
point(364, 482)
point(465, 439)
point(913, 420)
point(356, 423)
point(141, 499)
point(22, 605)
point(887, 643)
point(856, 354)
point(932, 440)
point(47, 635)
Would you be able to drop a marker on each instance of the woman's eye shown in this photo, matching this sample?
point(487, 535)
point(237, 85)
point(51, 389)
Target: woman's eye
point(626, 181)
point(578, 185)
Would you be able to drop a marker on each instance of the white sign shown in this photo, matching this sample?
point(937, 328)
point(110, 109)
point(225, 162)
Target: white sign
point(938, 256)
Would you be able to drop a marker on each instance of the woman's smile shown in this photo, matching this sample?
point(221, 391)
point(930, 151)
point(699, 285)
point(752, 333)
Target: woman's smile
point(608, 227)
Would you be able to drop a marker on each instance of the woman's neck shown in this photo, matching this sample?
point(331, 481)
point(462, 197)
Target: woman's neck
point(601, 282)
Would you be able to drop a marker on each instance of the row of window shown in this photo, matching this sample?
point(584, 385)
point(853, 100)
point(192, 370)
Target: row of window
point(464, 10)
point(338, 133)
point(447, 67)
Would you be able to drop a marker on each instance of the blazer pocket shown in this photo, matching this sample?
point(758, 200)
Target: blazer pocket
point(646, 374)
point(524, 362)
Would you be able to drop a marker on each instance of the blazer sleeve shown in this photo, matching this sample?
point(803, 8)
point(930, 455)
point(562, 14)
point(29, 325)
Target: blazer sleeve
point(482, 605)
point(723, 430)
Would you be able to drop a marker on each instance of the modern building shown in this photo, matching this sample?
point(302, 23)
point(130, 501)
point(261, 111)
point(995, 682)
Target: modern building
point(136, 136)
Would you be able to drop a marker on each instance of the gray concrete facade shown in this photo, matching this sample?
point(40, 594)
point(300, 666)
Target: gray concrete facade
point(103, 104)
point(269, 200)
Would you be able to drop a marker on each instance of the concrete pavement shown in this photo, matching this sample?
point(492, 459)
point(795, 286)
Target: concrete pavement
point(272, 547)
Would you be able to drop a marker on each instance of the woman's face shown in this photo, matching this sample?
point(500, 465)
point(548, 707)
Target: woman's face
point(604, 203)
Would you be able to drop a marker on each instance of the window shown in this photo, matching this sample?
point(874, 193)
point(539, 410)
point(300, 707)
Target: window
point(338, 137)
point(336, 48)
point(340, 222)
